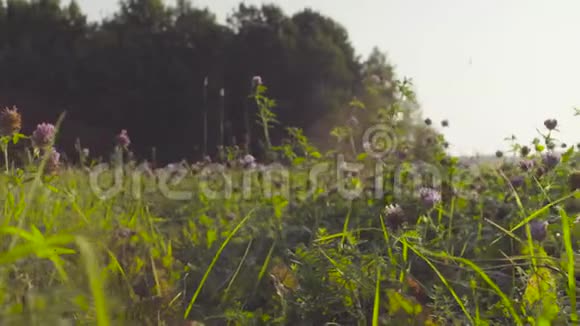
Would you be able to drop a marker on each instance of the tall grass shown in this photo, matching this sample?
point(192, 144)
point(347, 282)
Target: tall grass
point(251, 259)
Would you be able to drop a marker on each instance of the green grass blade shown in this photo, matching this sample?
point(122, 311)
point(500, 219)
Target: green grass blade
point(486, 278)
point(213, 262)
point(238, 268)
point(536, 214)
point(266, 262)
point(345, 225)
point(96, 283)
point(376, 306)
point(566, 236)
point(442, 278)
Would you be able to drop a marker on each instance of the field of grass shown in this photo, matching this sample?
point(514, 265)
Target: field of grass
point(315, 239)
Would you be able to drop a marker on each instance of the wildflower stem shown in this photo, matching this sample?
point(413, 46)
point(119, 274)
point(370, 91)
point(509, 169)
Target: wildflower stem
point(5, 150)
point(205, 118)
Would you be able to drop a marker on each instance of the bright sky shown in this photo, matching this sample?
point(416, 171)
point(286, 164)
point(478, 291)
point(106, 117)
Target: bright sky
point(493, 68)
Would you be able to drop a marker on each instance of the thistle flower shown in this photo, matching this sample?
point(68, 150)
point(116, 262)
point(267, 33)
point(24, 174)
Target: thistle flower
point(541, 171)
point(429, 196)
point(445, 123)
point(428, 121)
point(123, 139)
point(10, 121)
point(525, 151)
point(539, 230)
point(248, 161)
point(499, 154)
point(517, 181)
point(256, 81)
point(231, 216)
point(551, 124)
point(526, 165)
point(394, 215)
point(53, 163)
point(43, 136)
point(551, 159)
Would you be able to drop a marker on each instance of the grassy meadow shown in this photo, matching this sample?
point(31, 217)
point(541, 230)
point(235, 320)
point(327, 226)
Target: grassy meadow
point(379, 231)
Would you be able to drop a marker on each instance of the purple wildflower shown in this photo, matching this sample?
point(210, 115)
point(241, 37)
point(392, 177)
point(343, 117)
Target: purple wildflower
point(551, 124)
point(43, 136)
point(551, 159)
point(539, 230)
point(394, 215)
point(231, 216)
point(53, 162)
point(256, 81)
point(429, 196)
point(123, 139)
point(248, 161)
point(525, 151)
point(517, 181)
point(526, 165)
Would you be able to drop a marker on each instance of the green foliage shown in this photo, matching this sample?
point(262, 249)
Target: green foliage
point(241, 249)
point(279, 260)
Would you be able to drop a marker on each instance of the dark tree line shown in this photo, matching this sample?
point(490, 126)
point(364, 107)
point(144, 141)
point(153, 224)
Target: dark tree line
point(144, 69)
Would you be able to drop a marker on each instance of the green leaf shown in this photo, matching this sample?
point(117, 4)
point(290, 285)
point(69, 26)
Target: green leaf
point(211, 237)
point(361, 156)
point(541, 295)
point(279, 204)
point(567, 155)
point(298, 161)
point(315, 154)
point(357, 104)
point(398, 302)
